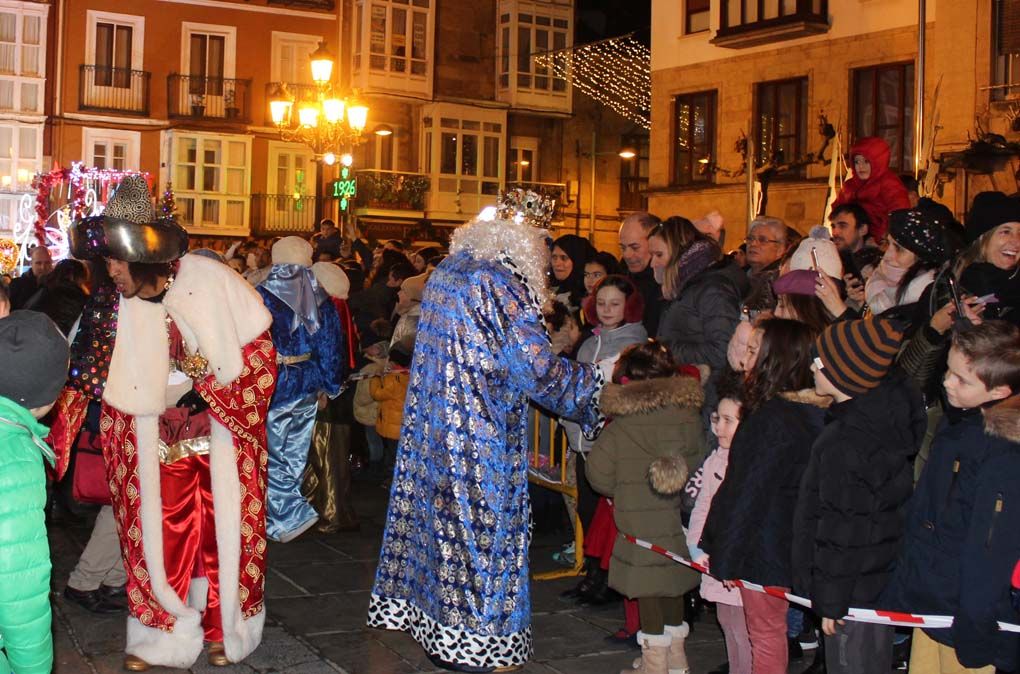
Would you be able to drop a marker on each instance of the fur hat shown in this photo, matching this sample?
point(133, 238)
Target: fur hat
point(332, 279)
point(128, 229)
point(292, 250)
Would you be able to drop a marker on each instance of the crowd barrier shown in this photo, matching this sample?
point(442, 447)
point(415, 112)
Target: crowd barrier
point(864, 615)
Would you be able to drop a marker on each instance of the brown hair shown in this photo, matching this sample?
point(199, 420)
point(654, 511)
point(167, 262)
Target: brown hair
point(993, 349)
point(784, 361)
point(647, 360)
point(678, 233)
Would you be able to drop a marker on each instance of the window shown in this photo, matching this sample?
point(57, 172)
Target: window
point(696, 15)
point(111, 148)
point(1006, 49)
point(113, 55)
point(464, 151)
point(22, 61)
point(208, 58)
point(523, 160)
point(379, 152)
point(780, 121)
point(20, 155)
point(290, 62)
point(525, 30)
point(397, 33)
point(212, 176)
point(738, 13)
point(694, 137)
point(883, 106)
point(634, 174)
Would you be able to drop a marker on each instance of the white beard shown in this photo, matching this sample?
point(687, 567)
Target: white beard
point(492, 239)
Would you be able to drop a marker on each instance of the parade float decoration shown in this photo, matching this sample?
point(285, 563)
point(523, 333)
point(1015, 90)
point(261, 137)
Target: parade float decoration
point(61, 196)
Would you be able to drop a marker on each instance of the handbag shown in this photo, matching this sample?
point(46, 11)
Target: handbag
point(89, 484)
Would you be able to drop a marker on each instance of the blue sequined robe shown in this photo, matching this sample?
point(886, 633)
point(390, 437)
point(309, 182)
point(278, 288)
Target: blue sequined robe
point(291, 417)
point(453, 570)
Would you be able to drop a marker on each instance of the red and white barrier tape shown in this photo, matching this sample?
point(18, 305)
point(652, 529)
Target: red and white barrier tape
point(865, 615)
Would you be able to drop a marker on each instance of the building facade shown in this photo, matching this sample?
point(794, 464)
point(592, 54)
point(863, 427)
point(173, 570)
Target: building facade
point(458, 108)
point(732, 78)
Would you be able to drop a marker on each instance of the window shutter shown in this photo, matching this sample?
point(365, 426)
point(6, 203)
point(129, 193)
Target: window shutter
point(1009, 27)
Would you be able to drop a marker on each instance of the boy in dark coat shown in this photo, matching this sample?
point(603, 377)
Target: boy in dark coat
point(963, 523)
point(849, 517)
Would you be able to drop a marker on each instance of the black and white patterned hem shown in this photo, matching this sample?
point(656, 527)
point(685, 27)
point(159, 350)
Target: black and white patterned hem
point(450, 644)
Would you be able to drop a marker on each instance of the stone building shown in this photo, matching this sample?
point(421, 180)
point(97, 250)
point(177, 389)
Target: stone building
point(771, 69)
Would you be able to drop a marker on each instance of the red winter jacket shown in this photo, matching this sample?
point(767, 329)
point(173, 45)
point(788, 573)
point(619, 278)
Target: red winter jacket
point(881, 193)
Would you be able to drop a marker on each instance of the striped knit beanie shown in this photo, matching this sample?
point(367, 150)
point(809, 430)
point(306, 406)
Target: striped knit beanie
point(856, 355)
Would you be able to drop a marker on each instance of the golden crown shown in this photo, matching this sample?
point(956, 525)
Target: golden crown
point(525, 206)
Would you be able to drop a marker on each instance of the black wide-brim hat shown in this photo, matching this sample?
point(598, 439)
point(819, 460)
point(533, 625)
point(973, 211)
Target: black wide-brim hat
point(128, 229)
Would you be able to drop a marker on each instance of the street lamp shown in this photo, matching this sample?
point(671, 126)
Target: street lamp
point(327, 124)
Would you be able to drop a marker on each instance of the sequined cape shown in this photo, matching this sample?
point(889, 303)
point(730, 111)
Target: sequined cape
point(453, 569)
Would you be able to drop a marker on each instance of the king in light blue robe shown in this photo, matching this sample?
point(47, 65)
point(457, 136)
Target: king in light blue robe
point(453, 570)
point(306, 329)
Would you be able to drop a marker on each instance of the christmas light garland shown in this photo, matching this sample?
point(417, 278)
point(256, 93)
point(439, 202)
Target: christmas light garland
point(616, 72)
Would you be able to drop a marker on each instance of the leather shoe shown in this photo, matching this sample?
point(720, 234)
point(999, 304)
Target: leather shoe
point(133, 663)
point(218, 654)
point(93, 601)
point(114, 593)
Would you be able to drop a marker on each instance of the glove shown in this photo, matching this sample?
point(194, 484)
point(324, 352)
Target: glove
point(193, 401)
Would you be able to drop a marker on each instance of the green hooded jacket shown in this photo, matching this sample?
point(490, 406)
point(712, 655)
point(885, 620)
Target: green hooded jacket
point(25, 631)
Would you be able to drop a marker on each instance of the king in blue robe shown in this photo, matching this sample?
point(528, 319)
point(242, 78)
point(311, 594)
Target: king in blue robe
point(309, 343)
point(453, 570)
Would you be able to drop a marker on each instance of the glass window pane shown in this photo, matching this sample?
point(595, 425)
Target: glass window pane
point(27, 146)
point(186, 210)
point(210, 179)
point(30, 60)
point(8, 27)
point(235, 214)
point(469, 154)
point(524, 49)
point(419, 25)
point(29, 96)
point(210, 211)
point(185, 177)
point(448, 159)
point(31, 33)
point(211, 152)
point(491, 168)
point(236, 154)
point(99, 155)
point(864, 107)
point(235, 181)
point(377, 40)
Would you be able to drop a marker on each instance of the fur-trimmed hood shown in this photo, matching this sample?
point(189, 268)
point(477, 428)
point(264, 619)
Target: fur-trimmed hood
point(807, 396)
point(1003, 420)
point(668, 474)
point(649, 395)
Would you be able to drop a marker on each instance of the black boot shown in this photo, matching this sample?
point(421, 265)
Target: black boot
point(591, 578)
point(600, 593)
point(817, 665)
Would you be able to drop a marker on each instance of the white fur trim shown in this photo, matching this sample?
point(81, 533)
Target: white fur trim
point(654, 639)
point(681, 631)
point(240, 635)
point(198, 593)
point(217, 313)
point(292, 250)
point(179, 648)
point(140, 363)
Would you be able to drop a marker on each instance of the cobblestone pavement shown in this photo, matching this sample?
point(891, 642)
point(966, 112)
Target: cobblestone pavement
point(317, 595)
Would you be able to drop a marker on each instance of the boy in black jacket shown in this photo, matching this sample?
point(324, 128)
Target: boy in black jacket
point(963, 525)
point(849, 517)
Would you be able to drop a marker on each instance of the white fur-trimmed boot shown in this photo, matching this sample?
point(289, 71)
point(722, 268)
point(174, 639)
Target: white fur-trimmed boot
point(654, 654)
point(677, 651)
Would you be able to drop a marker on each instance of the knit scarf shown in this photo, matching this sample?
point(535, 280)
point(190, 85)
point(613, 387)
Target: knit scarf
point(698, 257)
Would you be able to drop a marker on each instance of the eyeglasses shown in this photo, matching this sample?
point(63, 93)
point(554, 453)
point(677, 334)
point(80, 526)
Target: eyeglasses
point(760, 240)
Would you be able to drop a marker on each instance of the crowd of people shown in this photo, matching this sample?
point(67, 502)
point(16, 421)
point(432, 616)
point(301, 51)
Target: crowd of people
point(832, 414)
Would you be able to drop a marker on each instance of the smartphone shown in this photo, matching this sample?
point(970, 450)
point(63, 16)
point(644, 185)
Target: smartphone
point(961, 317)
point(814, 260)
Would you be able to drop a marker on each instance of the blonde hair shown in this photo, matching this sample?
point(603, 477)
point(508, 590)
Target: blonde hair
point(678, 233)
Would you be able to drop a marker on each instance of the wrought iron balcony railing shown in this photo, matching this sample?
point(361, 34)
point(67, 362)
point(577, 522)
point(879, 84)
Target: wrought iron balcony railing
point(208, 98)
point(109, 89)
point(279, 214)
point(391, 190)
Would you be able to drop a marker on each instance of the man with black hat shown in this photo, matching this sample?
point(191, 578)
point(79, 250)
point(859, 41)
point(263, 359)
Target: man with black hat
point(191, 371)
point(33, 359)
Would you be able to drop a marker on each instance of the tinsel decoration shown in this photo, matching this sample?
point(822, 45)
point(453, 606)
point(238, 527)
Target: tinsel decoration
point(616, 72)
point(8, 255)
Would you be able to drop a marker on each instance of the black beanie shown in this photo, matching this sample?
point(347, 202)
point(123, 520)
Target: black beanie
point(33, 359)
point(920, 231)
point(989, 210)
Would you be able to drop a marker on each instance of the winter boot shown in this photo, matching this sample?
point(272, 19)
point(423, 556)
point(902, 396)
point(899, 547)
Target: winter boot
point(677, 658)
point(677, 652)
point(654, 654)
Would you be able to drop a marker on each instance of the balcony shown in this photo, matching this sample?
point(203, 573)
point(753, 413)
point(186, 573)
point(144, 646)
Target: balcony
point(300, 92)
point(106, 89)
point(556, 191)
point(391, 193)
point(208, 98)
point(304, 4)
point(284, 214)
point(749, 23)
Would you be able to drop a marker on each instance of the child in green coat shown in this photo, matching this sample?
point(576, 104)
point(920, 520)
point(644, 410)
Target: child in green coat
point(641, 461)
point(33, 360)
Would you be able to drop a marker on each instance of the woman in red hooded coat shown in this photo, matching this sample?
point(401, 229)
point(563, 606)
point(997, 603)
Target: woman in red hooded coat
point(877, 189)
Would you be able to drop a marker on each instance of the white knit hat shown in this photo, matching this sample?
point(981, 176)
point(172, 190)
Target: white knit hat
point(292, 250)
point(332, 279)
point(826, 253)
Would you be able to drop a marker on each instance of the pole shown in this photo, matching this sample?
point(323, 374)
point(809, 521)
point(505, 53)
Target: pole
point(919, 104)
point(751, 214)
point(591, 218)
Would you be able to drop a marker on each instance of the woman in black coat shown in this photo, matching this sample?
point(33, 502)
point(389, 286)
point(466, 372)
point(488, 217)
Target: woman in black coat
point(749, 530)
point(62, 294)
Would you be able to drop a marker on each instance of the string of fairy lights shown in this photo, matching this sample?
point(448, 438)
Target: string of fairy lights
point(616, 72)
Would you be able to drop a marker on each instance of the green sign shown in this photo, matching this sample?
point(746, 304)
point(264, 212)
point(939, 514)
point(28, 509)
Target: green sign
point(345, 188)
